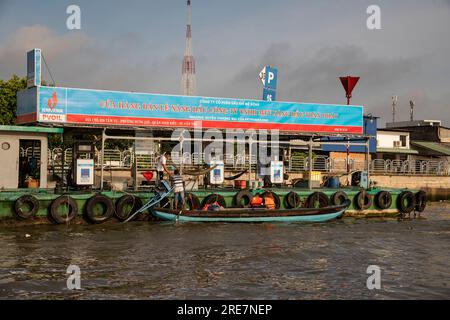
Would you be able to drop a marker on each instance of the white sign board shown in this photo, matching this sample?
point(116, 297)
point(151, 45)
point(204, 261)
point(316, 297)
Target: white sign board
point(262, 76)
point(276, 171)
point(217, 175)
point(85, 172)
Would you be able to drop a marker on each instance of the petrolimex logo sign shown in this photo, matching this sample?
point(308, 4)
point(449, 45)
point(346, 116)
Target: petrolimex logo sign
point(52, 104)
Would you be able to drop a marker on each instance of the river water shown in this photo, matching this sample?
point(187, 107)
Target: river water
point(142, 260)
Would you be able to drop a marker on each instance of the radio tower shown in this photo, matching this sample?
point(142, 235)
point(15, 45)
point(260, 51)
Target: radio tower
point(188, 67)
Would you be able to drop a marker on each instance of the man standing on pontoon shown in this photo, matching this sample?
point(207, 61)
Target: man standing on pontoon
point(161, 166)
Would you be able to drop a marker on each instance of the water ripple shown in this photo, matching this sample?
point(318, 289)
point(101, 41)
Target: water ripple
point(231, 261)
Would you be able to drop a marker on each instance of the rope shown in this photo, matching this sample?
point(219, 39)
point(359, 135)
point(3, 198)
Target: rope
point(197, 173)
point(236, 176)
point(51, 76)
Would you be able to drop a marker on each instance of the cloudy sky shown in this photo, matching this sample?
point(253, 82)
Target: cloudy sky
point(138, 45)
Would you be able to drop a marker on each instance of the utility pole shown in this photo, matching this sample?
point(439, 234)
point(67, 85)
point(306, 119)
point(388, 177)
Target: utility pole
point(394, 104)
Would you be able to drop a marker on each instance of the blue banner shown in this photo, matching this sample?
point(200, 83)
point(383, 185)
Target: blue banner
point(114, 108)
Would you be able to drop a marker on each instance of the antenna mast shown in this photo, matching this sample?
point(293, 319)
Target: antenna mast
point(411, 110)
point(188, 83)
point(394, 104)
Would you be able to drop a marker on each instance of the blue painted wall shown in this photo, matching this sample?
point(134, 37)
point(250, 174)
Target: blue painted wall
point(370, 128)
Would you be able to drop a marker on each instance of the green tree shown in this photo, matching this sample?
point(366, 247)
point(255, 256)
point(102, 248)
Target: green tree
point(8, 98)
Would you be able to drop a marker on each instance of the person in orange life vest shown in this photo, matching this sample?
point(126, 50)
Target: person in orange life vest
point(215, 206)
point(269, 201)
point(257, 201)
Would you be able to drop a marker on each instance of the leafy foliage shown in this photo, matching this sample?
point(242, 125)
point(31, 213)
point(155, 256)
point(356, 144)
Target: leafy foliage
point(8, 98)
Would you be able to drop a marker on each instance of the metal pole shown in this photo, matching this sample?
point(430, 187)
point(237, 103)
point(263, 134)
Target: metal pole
point(310, 163)
point(347, 164)
point(250, 144)
point(181, 153)
point(135, 168)
point(63, 159)
point(101, 158)
point(368, 160)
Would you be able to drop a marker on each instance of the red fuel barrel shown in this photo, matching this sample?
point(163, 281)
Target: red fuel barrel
point(240, 184)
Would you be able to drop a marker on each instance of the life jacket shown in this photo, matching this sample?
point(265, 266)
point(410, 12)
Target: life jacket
point(269, 202)
point(215, 206)
point(256, 201)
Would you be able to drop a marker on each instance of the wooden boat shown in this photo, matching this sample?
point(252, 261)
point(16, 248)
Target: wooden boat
point(253, 214)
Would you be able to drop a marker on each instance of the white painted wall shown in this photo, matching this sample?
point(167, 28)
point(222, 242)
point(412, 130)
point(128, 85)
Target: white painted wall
point(385, 139)
point(9, 159)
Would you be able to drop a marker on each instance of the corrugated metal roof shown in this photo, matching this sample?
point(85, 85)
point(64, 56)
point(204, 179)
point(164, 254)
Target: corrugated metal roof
point(433, 146)
point(397, 150)
point(31, 129)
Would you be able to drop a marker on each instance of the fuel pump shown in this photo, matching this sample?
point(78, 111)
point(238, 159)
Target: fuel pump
point(83, 169)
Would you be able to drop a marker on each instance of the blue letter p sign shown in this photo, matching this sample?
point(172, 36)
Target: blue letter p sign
point(271, 78)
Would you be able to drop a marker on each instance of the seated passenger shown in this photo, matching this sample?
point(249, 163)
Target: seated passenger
point(215, 206)
point(269, 201)
point(257, 201)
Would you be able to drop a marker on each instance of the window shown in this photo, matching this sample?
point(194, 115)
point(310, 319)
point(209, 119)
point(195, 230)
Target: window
point(403, 141)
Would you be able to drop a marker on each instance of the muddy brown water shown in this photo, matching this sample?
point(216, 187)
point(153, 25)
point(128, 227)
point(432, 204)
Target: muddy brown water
point(142, 260)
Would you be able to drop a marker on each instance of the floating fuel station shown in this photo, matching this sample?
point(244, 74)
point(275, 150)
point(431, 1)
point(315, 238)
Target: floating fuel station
point(183, 120)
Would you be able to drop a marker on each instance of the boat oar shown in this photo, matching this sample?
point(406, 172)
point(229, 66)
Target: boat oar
point(153, 201)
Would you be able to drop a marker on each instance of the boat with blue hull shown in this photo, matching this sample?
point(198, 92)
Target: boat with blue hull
point(253, 214)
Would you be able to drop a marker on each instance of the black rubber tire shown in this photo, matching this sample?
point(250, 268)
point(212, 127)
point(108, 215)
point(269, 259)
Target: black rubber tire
point(363, 200)
point(383, 200)
point(323, 199)
point(55, 217)
point(243, 199)
point(292, 200)
point(107, 212)
point(192, 201)
point(409, 198)
point(164, 203)
point(127, 200)
point(338, 198)
point(213, 198)
point(26, 199)
point(275, 197)
point(421, 201)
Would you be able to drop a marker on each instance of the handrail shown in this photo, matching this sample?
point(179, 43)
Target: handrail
point(114, 158)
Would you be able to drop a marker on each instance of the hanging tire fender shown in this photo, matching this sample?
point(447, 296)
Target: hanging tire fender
point(108, 207)
point(123, 202)
point(192, 201)
point(63, 200)
point(29, 200)
point(243, 199)
point(363, 200)
point(421, 201)
point(292, 200)
point(383, 200)
point(339, 198)
point(321, 197)
point(406, 202)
